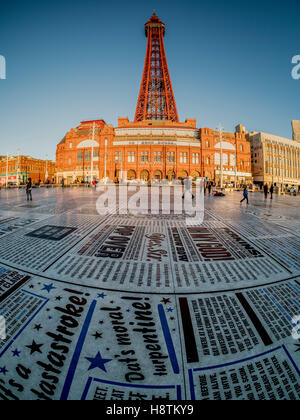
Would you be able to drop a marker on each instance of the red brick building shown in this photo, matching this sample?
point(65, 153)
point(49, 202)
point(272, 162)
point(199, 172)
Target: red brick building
point(154, 150)
point(16, 170)
point(156, 145)
point(234, 153)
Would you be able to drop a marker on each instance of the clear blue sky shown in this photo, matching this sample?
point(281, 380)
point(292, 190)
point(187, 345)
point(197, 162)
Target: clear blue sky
point(72, 60)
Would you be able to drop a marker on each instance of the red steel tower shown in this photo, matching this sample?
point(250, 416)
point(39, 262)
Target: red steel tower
point(156, 99)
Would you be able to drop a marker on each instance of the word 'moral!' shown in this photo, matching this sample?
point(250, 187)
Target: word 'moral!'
point(296, 69)
point(2, 68)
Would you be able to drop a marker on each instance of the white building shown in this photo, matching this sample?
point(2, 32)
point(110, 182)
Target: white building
point(275, 160)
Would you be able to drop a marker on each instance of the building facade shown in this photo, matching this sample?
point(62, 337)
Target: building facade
point(156, 145)
point(158, 150)
point(74, 152)
point(153, 150)
point(227, 156)
point(296, 130)
point(275, 160)
point(16, 170)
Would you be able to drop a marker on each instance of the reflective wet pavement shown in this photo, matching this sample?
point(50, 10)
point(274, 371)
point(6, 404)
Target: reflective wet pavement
point(146, 307)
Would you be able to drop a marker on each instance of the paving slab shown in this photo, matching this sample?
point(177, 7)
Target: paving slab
point(146, 307)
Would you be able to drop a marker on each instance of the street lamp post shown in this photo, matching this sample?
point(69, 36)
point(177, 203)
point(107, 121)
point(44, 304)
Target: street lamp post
point(46, 175)
point(273, 163)
point(105, 161)
point(121, 176)
point(18, 170)
point(235, 167)
point(221, 129)
point(83, 159)
point(7, 170)
point(282, 172)
point(235, 175)
point(92, 161)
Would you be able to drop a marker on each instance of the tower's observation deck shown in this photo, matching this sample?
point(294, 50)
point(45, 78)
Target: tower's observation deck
point(154, 22)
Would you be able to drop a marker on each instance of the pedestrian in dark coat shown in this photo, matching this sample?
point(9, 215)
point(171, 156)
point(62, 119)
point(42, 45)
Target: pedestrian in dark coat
point(209, 188)
point(246, 195)
point(266, 190)
point(29, 190)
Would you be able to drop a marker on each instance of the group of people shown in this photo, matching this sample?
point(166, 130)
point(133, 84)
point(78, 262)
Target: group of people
point(209, 187)
point(267, 190)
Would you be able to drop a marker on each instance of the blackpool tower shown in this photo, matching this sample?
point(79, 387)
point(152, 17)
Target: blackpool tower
point(156, 99)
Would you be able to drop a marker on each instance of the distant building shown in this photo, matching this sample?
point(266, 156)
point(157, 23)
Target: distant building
point(296, 130)
point(275, 160)
point(16, 170)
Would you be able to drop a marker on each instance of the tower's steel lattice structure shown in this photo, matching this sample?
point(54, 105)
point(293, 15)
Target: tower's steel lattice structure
point(156, 99)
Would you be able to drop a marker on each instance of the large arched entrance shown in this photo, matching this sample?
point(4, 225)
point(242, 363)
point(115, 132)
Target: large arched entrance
point(183, 174)
point(196, 174)
point(145, 175)
point(131, 175)
point(171, 176)
point(158, 175)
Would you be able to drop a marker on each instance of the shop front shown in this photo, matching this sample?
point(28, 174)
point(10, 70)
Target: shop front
point(233, 179)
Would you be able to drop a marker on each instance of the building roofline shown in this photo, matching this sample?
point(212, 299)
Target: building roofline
point(291, 142)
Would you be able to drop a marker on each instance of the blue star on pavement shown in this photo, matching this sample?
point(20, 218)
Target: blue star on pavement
point(101, 295)
point(98, 362)
point(48, 287)
point(16, 353)
point(170, 310)
point(3, 370)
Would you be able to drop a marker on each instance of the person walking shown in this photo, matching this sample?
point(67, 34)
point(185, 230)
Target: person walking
point(246, 195)
point(209, 188)
point(29, 190)
point(272, 191)
point(266, 191)
point(188, 188)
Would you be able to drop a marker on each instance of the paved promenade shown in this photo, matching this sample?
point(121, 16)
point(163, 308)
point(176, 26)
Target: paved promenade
point(137, 307)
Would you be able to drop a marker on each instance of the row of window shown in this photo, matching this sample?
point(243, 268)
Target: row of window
point(289, 161)
point(285, 169)
point(208, 145)
point(87, 156)
point(282, 149)
point(145, 157)
point(87, 168)
point(22, 168)
point(158, 157)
